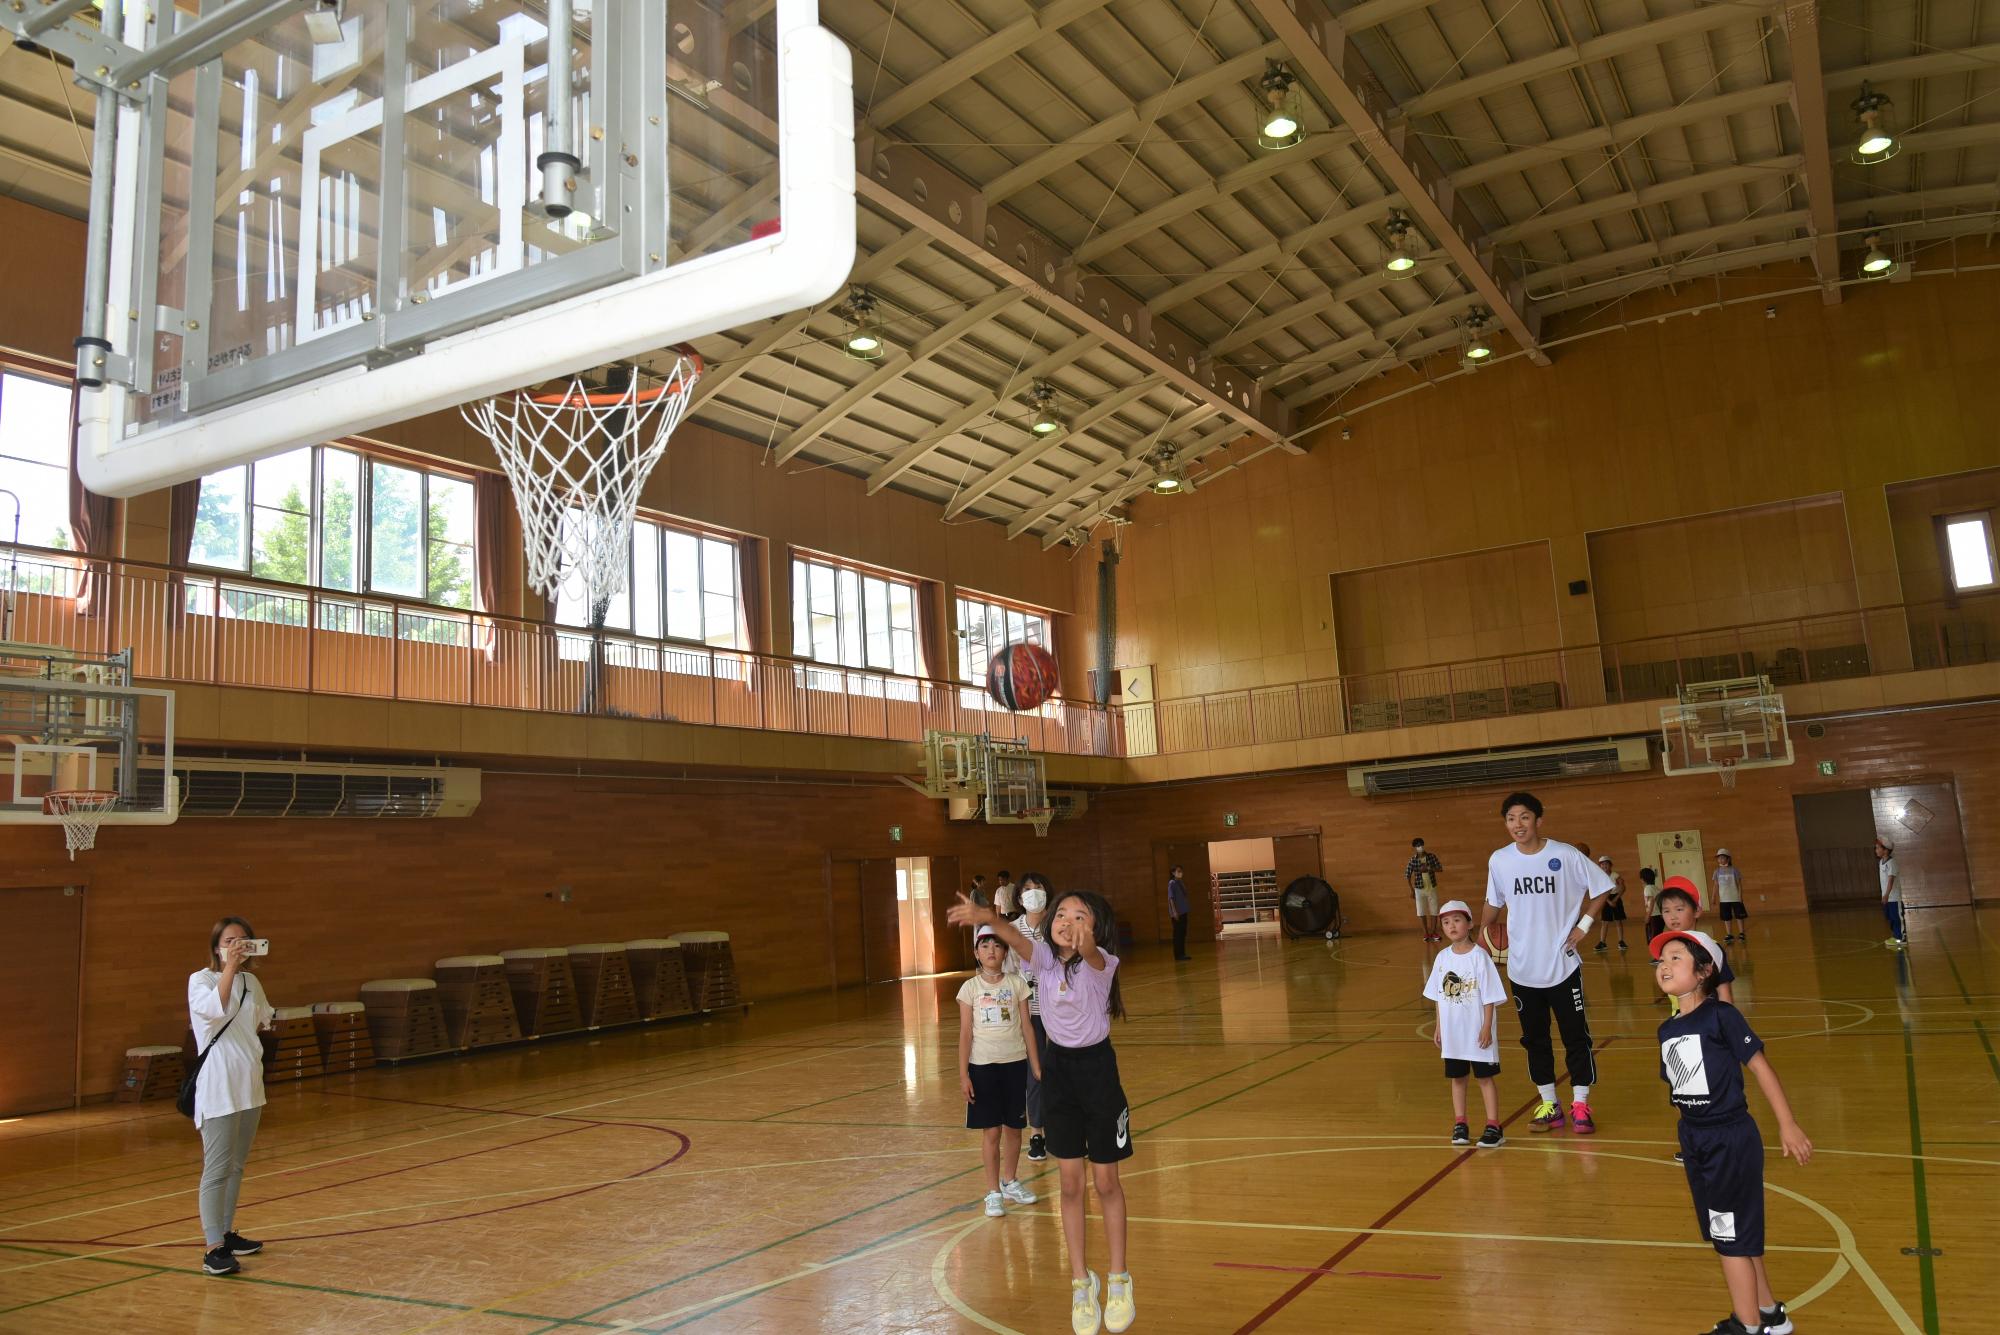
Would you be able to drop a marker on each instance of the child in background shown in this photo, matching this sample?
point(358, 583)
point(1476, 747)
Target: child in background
point(1649, 885)
point(1892, 896)
point(1614, 907)
point(1679, 903)
point(1468, 993)
point(1729, 894)
point(1033, 896)
point(994, 1061)
point(1082, 1099)
point(1703, 1050)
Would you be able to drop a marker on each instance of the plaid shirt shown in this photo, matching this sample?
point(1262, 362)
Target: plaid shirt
point(1424, 863)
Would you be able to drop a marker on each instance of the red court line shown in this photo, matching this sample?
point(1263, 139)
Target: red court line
point(1314, 1270)
point(1326, 1267)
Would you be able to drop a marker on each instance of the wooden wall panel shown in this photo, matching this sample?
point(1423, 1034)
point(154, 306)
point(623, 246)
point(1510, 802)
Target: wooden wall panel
point(347, 901)
point(1706, 572)
point(1446, 609)
point(1366, 841)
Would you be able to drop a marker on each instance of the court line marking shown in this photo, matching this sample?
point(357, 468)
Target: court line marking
point(1600, 1139)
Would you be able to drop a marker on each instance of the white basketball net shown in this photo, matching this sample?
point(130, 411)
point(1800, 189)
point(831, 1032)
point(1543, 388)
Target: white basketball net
point(80, 810)
point(578, 459)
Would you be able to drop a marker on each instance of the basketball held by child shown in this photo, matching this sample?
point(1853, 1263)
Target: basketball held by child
point(1021, 676)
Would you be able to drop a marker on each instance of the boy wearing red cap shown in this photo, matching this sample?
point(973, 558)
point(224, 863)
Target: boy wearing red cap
point(1704, 1049)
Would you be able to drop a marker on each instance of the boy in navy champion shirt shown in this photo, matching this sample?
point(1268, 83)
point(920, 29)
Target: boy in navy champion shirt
point(1703, 1052)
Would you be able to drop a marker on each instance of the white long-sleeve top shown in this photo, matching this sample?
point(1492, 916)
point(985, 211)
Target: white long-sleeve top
point(232, 1079)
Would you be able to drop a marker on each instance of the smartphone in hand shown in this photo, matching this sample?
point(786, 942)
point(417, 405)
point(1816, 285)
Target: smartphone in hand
point(256, 945)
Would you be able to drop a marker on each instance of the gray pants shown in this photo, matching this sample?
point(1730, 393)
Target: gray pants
point(225, 1147)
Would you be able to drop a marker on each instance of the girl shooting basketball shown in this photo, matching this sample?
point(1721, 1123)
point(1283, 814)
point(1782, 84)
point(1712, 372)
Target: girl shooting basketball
point(1083, 1105)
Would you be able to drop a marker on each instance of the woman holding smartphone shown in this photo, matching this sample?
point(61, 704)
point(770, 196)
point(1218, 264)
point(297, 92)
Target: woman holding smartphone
point(226, 1008)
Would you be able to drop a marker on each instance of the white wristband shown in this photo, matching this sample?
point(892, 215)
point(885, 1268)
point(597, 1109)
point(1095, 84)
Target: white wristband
point(1586, 922)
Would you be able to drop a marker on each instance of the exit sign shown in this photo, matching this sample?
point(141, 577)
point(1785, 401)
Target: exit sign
point(1229, 819)
point(895, 834)
point(1827, 767)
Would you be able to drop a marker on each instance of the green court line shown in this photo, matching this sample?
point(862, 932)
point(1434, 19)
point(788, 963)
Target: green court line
point(1984, 1040)
point(151, 1270)
point(851, 1214)
point(64, 1297)
point(1925, 1270)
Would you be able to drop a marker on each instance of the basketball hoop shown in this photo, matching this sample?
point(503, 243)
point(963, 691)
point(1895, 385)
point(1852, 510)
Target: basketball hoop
point(1726, 767)
point(80, 810)
point(578, 458)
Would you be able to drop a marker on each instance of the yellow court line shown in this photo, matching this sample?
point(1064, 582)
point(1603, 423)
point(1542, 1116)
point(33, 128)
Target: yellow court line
point(941, 1283)
point(1852, 1251)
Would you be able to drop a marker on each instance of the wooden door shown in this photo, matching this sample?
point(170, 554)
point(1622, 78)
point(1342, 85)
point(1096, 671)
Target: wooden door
point(881, 920)
point(39, 973)
point(1920, 821)
point(1192, 859)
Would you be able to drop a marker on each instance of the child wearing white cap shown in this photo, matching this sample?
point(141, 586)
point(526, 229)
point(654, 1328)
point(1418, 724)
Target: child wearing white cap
point(1729, 894)
point(1468, 993)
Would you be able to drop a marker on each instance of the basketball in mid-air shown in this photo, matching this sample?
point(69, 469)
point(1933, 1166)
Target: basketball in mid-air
point(1021, 676)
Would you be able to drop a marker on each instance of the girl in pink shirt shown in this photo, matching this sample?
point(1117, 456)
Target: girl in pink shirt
point(1084, 1110)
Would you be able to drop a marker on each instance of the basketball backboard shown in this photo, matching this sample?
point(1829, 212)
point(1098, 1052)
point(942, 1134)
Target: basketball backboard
point(320, 216)
point(73, 721)
point(1720, 727)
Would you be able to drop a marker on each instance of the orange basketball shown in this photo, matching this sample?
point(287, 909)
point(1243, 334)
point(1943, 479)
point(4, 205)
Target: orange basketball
point(1495, 940)
point(1021, 676)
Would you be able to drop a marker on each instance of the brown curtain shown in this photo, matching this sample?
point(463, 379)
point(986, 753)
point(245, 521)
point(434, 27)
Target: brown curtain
point(750, 593)
point(490, 499)
point(933, 660)
point(183, 503)
point(90, 528)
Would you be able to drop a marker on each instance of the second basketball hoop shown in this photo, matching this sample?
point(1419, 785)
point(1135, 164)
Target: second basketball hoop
point(578, 454)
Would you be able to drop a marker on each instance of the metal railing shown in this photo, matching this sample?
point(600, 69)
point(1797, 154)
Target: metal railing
point(225, 629)
point(230, 630)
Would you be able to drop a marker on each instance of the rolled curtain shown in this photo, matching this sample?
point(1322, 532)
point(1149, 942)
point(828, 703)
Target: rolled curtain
point(490, 499)
point(183, 504)
point(750, 594)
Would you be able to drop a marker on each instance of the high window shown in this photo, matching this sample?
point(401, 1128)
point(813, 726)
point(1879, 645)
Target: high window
point(1969, 540)
point(34, 458)
point(680, 585)
point(849, 617)
point(985, 628)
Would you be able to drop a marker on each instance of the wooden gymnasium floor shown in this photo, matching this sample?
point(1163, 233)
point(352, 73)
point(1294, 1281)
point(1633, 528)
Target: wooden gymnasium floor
point(804, 1169)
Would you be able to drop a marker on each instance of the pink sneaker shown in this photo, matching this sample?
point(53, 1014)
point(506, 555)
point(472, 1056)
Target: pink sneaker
point(1579, 1120)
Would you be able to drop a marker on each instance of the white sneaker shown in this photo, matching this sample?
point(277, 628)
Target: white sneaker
point(1084, 1315)
point(994, 1207)
point(1015, 1192)
point(1119, 1307)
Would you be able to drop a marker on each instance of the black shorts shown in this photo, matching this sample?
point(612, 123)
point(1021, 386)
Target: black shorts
point(1457, 1068)
point(1733, 909)
point(1084, 1113)
point(1725, 1173)
point(1654, 926)
point(999, 1095)
point(1614, 910)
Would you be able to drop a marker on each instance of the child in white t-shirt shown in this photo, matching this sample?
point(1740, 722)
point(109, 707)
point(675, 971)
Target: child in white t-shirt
point(1468, 993)
point(996, 1054)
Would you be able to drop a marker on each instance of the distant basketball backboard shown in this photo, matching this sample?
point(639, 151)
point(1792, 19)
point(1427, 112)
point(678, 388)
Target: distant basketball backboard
point(1722, 727)
point(72, 722)
point(323, 217)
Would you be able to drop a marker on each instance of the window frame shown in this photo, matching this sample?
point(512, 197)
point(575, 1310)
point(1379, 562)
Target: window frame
point(973, 672)
point(852, 583)
point(1984, 519)
point(364, 529)
point(738, 632)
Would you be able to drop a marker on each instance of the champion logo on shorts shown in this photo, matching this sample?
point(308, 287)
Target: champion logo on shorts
point(1722, 1225)
point(1124, 1127)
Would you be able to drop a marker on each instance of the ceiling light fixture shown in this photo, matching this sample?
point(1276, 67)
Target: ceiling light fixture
point(863, 341)
point(1478, 348)
point(1877, 143)
point(1048, 419)
point(1400, 261)
point(1169, 479)
point(1280, 108)
point(1880, 261)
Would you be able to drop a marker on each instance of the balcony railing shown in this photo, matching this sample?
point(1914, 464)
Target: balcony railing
point(198, 626)
point(228, 630)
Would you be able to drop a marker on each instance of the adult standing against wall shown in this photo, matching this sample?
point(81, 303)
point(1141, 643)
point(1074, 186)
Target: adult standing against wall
point(226, 1008)
point(1551, 892)
point(1177, 908)
point(1422, 872)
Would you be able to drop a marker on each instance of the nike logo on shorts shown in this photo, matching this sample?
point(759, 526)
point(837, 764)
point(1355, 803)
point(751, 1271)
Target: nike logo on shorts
point(1124, 1128)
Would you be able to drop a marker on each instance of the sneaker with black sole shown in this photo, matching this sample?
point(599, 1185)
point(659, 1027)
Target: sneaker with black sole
point(1729, 1325)
point(1038, 1148)
point(1776, 1320)
point(1621, 945)
point(1580, 1120)
point(238, 1245)
point(1678, 1157)
point(1461, 1135)
point(1600, 947)
point(1492, 1138)
point(220, 1262)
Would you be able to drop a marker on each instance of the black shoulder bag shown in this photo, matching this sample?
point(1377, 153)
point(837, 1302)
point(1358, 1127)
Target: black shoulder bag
point(185, 1099)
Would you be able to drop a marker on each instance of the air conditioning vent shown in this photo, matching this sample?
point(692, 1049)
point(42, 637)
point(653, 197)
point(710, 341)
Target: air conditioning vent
point(305, 791)
point(1623, 756)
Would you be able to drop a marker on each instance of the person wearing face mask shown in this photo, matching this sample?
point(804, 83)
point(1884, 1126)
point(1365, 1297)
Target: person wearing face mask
point(1033, 897)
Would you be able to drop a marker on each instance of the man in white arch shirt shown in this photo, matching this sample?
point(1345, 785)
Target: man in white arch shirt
point(1551, 892)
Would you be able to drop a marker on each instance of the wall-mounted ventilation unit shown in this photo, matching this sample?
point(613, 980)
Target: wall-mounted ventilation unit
point(1627, 755)
point(302, 790)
